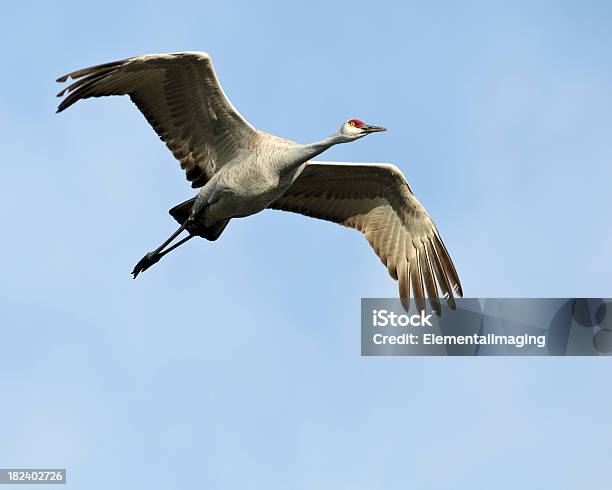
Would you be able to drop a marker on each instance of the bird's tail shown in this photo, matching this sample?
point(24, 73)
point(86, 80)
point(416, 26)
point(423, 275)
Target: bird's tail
point(182, 211)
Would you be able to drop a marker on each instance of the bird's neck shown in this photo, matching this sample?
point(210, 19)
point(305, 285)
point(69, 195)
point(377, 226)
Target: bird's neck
point(311, 150)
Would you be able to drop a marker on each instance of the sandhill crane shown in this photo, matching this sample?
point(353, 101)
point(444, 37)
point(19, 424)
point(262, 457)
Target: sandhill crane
point(242, 171)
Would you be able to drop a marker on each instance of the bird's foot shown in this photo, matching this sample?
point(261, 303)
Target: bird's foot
point(146, 262)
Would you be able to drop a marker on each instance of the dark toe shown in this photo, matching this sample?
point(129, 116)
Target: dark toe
point(146, 262)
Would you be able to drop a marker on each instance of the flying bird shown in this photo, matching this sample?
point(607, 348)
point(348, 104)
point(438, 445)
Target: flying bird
point(241, 171)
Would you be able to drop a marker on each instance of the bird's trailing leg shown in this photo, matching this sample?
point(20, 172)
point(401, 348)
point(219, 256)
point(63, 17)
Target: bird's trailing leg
point(200, 203)
point(153, 257)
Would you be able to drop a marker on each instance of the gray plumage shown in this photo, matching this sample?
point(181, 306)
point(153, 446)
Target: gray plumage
point(242, 171)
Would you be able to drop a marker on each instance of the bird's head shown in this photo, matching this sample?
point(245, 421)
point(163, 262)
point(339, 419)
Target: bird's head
point(354, 129)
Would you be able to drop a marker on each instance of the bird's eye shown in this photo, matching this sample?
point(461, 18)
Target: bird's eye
point(352, 123)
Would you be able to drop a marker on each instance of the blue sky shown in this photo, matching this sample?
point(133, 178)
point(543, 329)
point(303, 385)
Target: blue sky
point(236, 363)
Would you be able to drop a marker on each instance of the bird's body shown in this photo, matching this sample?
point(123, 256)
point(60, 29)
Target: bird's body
point(241, 171)
point(250, 184)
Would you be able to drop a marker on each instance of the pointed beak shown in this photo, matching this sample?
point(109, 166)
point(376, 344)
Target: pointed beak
point(372, 129)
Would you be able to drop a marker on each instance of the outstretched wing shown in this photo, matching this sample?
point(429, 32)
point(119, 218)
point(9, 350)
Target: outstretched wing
point(376, 200)
point(180, 96)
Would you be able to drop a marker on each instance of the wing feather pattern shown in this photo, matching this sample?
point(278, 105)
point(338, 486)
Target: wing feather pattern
point(376, 200)
point(180, 96)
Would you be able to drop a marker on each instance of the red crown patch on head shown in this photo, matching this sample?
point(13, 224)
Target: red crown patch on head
point(356, 123)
